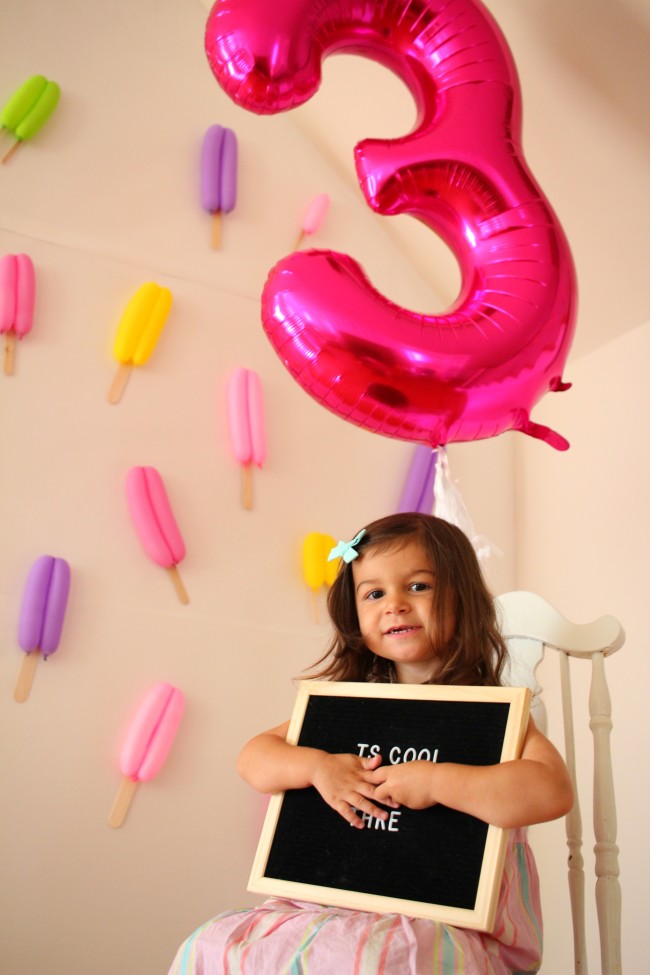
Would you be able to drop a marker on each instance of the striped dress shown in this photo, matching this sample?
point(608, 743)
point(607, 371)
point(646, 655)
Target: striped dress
point(287, 937)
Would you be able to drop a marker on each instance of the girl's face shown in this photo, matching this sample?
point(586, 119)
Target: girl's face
point(394, 591)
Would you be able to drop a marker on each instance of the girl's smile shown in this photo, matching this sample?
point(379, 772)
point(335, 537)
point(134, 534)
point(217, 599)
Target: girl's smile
point(394, 591)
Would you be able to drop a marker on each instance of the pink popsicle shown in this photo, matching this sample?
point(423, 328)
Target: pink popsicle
point(17, 289)
point(218, 175)
point(155, 523)
point(146, 745)
point(313, 217)
point(246, 426)
point(45, 599)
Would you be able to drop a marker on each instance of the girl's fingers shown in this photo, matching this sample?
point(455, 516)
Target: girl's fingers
point(350, 810)
point(371, 763)
point(364, 805)
point(372, 793)
point(348, 813)
point(386, 799)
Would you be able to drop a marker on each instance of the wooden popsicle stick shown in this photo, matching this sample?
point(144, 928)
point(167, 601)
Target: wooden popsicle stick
point(119, 382)
point(216, 229)
point(299, 240)
point(247, 487)
point(10, 345)
point(122, 802)
point(314, 605)
point(9, 154)
point(26, 676)
point(177, 582)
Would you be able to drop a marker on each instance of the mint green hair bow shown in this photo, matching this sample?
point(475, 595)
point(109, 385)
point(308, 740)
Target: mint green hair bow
point(346, 550)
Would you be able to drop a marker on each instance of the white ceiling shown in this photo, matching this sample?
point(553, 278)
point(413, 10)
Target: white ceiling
point(584, 69)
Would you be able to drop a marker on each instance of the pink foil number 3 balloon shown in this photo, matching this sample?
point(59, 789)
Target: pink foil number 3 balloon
point(478, 369)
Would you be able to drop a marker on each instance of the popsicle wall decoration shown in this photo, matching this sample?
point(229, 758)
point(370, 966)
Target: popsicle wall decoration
point(313, 217)
point(417, 493)
point(45, 599)
point(317, 571)
point(138, 332)
point(218, 175)
point(28, 110)
point(155, 523)
point(147, 743)
point(246, 426)
point(17, 289)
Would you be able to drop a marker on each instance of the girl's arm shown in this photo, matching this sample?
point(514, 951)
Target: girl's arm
point(270, 764)
point(532, 789)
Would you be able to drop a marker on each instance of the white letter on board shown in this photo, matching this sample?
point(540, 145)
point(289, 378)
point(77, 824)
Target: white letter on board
point(393, 827)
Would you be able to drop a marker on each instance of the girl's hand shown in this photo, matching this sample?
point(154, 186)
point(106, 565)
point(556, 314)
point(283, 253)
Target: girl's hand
point(408, 784)
point(346, 784)
point(532, 789)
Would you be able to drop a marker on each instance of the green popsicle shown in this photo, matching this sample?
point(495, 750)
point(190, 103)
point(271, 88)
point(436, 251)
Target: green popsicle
point(28, 109)
point(22, 101)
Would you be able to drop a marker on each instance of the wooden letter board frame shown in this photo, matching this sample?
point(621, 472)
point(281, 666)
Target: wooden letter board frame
point(445, 865)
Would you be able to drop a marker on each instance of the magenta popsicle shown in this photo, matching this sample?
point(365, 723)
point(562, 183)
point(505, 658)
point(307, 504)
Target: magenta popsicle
point(17, 289)
point(313, 217)
point(146, 746)
point(155, 523)
point(45, 599)
point(218, 175)
point(246, 426)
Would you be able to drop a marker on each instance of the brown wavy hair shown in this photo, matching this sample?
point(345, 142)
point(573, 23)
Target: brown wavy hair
point(476, 651)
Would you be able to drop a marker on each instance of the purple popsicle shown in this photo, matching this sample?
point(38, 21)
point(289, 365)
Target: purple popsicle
point(417, 494)
point(45, 599)
point(218, 175)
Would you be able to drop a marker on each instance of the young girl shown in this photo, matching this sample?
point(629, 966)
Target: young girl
point(409, 605)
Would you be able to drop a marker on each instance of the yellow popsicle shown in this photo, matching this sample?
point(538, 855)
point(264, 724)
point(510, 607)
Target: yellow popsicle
point(317, 571)
point(139, 330)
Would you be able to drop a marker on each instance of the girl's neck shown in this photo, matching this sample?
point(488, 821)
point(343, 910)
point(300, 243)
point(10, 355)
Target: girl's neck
point(407, 673)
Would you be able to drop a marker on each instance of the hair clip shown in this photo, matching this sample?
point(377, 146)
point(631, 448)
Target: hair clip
point(345, 550)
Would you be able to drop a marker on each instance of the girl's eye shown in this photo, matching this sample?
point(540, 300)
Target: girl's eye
point(420, 586)
point(375, 594)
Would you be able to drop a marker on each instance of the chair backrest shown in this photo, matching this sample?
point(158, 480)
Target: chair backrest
point(530, 625)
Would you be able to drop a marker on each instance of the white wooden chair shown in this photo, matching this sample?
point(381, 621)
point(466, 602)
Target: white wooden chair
point(530, 625)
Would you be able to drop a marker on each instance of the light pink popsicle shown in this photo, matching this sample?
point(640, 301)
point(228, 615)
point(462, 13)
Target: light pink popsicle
point(147, 743)
point(246, 425)
point(313, 217)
